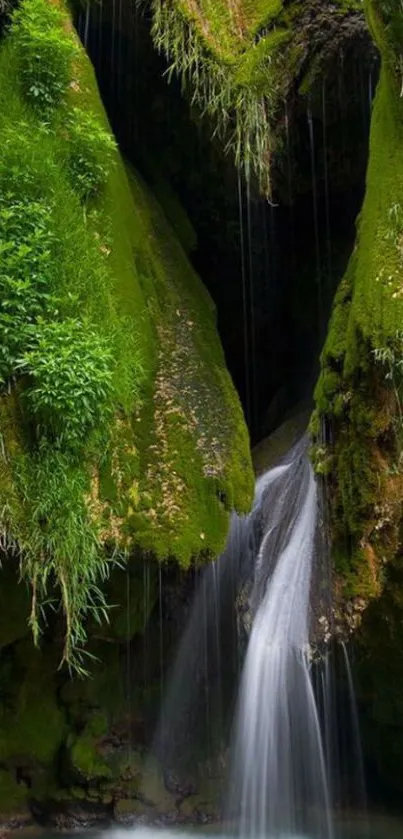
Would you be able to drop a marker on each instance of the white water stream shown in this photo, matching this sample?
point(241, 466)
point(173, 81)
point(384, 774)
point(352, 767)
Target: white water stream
point(278, 780)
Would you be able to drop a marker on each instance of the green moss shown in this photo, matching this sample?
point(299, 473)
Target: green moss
point(179, 454)
point(158, 453)
point(380, 683)
point(13, 796)
point(41, 723)
point(354, 392)
point(87, 764)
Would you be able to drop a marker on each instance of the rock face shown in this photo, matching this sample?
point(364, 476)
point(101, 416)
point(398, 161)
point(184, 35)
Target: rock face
point(358, 393)
point(358, 399)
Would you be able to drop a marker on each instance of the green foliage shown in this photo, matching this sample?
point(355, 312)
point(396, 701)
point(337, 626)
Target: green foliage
point(62, 339)
point(91, 150)
point(25, 255)
point(236, 93)
point(70, 367)
point(61, 545)
point(45, 54)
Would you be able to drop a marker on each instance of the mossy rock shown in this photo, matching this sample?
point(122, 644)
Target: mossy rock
point(42, 726)
point(196, 807)
point(127, 766)
point(165, 457)
point(239, 63)
point(277, 444)
point(128, 811)
point(85, 759)
point(103, 691)
point(14, 810)
point(358, 403)
point(152, 789)
point(14, 604)
point(354, 396)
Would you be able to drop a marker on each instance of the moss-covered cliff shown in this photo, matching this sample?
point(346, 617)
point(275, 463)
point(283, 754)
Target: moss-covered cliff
point(358, 395)
point(359, 419)
point(120, 426)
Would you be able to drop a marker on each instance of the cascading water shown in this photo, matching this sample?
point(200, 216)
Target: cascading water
point(270, 586)
point(278, 780)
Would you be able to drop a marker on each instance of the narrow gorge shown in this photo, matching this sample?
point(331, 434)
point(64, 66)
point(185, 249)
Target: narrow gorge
point(201, 373)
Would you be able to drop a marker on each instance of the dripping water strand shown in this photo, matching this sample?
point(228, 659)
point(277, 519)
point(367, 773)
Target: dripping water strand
point(161, 650)
point(112, 75)
point(161, 631)
point(86, 24)
point(327, 197)
point(217, 639)
point(99, 26)
point(128, 662)
point(146, 609)
point(120, 74)
point(356, 736)
point(206, 679)
point(244, 304)
point(315, 218)
point(290, 189)
point(370, 93)
point(251, 308)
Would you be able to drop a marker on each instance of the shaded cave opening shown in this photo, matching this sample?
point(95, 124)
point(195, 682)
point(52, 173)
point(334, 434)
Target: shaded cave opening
point(272, 268)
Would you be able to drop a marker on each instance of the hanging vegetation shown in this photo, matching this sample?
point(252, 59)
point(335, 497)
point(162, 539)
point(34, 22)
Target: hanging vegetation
point(238, 62)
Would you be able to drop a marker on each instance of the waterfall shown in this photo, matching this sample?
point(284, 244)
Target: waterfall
point(278, 780)
point(259, 602)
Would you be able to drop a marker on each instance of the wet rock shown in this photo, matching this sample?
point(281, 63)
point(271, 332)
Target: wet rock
point(179, 787)
point(17, 820)
point(152, 789)
point(131, 811)
point(78, 816)
point(196, 808)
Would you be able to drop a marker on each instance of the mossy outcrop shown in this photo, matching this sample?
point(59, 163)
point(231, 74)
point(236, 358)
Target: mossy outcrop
point(358, 421)
point(358, 395)
point(241, 61)
point(120, 426)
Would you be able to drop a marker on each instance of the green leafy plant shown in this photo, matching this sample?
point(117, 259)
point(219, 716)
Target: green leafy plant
point(45, 54)
point(91, 150)
point(26, 239)
point(71, 370)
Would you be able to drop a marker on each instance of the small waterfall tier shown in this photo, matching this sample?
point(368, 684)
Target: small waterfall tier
point(278, 785)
